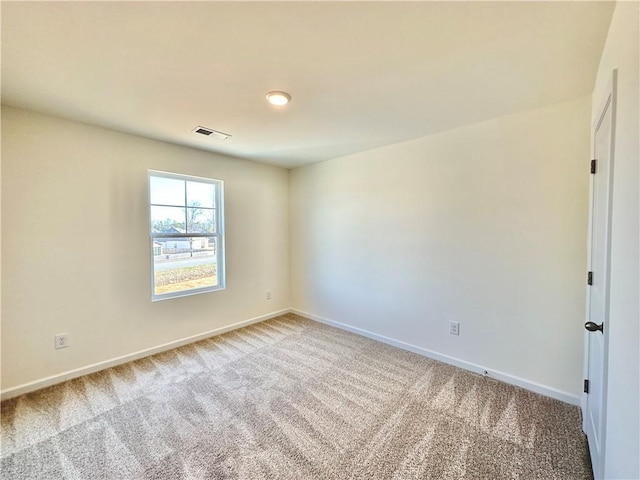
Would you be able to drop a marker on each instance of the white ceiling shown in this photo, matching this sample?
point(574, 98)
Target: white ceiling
point(361, 74)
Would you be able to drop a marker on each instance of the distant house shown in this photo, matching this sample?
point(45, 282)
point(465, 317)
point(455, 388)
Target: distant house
point(166, 246)
point(157, 248)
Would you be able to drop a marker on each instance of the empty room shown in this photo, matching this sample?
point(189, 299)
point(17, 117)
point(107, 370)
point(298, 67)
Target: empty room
point(320, 240)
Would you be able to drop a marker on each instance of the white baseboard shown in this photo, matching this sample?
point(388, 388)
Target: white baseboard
point(472, 367)
point(78, 372)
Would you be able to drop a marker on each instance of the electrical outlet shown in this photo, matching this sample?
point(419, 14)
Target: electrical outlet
point(454, 328)
point(268, 295)
point(61, 340)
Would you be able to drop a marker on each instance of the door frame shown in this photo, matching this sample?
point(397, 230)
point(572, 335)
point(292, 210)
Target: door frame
point(609, 97)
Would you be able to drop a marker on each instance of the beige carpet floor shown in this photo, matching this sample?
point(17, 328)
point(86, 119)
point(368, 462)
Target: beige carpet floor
point(289, 399)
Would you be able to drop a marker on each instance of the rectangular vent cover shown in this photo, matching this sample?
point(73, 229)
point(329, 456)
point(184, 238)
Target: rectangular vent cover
point(209, 132)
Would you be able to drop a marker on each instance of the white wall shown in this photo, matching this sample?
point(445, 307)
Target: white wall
point(622, 440)
point(75, 255)
point(484, 225)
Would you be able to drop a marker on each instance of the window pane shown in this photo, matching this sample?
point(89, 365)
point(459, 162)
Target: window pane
point(167, 219)
point(201, 220)
point(181, 207)
point(182, 264)
point(166, 191)
point(200, 194)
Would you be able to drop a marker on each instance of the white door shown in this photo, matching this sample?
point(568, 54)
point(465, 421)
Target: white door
point(598, 296)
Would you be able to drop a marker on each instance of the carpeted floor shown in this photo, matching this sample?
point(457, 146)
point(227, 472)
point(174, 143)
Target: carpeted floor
point(289, 399)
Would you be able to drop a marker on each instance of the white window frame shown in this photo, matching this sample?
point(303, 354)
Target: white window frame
point(219, 234)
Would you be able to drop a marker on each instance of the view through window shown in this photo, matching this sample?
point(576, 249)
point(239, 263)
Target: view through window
point(186, 229)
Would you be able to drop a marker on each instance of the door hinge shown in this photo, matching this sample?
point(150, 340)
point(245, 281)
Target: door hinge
point(593, 165)
point(590, 278)
point(586, 386)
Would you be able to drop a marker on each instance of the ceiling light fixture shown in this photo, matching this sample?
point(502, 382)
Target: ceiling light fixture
point(278, 98)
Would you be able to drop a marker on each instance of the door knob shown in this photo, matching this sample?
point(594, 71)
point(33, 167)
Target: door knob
point(594, 327)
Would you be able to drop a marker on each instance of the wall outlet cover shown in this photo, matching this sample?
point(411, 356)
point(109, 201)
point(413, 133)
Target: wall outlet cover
point(61, 340)
point(454, 328)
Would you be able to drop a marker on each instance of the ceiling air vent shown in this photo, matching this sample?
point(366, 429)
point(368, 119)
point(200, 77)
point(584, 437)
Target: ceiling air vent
point(209, 132)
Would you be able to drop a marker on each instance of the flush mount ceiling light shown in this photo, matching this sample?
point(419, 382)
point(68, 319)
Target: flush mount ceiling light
point(278, 98)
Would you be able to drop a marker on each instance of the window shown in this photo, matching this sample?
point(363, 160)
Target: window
point(187, 235)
